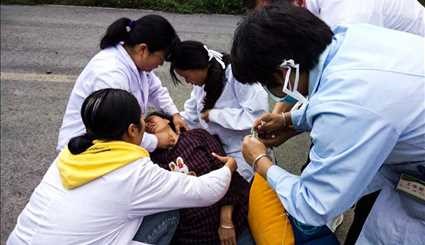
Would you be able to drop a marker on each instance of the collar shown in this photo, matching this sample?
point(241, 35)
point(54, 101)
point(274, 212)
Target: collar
point(324, 60)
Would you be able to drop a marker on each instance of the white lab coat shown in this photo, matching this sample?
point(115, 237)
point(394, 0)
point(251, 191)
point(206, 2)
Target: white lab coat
point(402, 15)
point(114, 68)
point(366, 118)
point(110, 209)
point(232, 116)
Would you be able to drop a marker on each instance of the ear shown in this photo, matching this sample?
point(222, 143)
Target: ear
point(300, 3)
point(132, 131)
point(142, 49)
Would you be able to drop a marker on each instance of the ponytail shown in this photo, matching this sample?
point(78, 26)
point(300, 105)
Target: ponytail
point(80, 143)
point(153, 30)
point(116, 33)
point(214, 85)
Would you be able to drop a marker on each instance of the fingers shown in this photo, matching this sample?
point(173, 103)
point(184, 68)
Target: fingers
point(262, 119)
point(223, 159)
point(177, 129)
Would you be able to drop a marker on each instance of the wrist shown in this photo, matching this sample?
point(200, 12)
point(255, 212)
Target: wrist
point(286, 119)
point(224, 226)
point(258, 159)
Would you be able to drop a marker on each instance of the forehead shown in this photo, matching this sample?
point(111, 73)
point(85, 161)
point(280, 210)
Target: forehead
point(153, 118)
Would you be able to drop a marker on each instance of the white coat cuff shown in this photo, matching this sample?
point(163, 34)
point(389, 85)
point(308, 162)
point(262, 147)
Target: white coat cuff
point(149, 142)
point(213, 115)
point(171, 110)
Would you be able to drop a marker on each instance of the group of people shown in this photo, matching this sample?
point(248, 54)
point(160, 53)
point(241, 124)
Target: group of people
point(350, 73)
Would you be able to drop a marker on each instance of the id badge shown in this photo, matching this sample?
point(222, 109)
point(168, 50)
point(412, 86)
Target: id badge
point(412, 186)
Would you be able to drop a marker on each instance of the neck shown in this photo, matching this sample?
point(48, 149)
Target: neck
point(130, 52)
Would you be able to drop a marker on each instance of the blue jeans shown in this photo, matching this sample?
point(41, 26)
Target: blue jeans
point(158, 228)
point(245, 238)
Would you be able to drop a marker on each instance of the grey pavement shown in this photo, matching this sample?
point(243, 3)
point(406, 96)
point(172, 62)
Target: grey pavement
point(43, 49)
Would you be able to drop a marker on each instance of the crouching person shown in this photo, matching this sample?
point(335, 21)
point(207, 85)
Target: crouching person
point(100, 187)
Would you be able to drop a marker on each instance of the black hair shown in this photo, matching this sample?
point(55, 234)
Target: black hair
point(153, 30)
point(192, 55)
point(106, 114)
point(164, 116)
point(268, 36)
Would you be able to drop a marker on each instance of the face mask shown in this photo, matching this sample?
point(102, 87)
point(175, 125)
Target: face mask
point(292, 95)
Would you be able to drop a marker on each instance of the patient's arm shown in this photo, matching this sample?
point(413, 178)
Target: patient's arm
point(226, 231)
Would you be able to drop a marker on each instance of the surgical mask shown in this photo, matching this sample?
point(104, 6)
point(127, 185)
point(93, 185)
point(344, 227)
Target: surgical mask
point(292, 95)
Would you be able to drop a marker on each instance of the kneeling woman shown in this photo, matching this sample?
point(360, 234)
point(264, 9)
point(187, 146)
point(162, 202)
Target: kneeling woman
point(218, 102)
point(98, 190)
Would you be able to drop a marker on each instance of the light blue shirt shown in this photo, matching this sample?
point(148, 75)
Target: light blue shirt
point(366, 118)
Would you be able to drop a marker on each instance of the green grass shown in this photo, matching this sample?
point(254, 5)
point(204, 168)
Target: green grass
point(179, 6)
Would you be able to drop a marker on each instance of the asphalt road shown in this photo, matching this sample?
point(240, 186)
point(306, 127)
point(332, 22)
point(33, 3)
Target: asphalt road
point(43, 49)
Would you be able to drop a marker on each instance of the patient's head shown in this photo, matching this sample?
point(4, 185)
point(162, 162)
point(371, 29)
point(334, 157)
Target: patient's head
point(162, 126)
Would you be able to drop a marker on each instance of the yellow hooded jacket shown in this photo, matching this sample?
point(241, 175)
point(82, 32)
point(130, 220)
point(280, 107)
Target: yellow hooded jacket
point(98, 160)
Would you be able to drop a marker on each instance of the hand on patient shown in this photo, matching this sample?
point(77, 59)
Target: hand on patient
point(206, 115)
point(230, 162)
point(179, 123)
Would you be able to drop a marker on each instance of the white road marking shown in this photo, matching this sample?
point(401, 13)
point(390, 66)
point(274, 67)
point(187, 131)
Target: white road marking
point(36, 77)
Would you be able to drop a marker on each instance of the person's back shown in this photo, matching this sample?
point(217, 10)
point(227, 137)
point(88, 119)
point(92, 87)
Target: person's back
point(200, 225)
point(106, 68)
point(60, 216)
point(406, 15)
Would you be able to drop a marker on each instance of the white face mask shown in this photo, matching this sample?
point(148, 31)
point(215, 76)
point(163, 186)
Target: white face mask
point(287, 88)
point(290, 91)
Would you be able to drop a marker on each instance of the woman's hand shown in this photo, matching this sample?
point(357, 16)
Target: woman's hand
point(179, 123)
point(252, 148)
point(228, 161)
point(205, 115)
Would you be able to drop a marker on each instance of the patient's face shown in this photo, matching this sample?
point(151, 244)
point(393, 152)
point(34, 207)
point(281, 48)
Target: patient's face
point(156, 124)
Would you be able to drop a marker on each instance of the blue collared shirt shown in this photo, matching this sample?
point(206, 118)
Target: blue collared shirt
point(366, 114)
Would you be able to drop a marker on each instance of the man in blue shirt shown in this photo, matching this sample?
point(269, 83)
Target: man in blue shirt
point(360, 94)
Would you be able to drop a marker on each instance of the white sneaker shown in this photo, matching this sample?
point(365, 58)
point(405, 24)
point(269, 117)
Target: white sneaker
point(337, 221)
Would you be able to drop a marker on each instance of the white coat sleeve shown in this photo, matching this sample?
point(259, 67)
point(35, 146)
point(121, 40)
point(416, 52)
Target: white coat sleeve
point(111, 79)
point(159, 96)
point(157, 190)
point(253, 102)
point(350, 144)
point(190, 113)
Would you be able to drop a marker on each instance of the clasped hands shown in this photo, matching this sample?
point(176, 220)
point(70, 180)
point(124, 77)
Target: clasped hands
point(272, 130)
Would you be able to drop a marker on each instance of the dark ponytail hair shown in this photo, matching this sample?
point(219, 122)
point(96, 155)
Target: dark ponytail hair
point(192, 55)
point(153, 30)
point(106, 114)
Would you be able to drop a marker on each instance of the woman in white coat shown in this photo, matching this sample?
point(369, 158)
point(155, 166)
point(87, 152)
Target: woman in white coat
point(218, 103)
point(130, 50)
point(100, 187)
